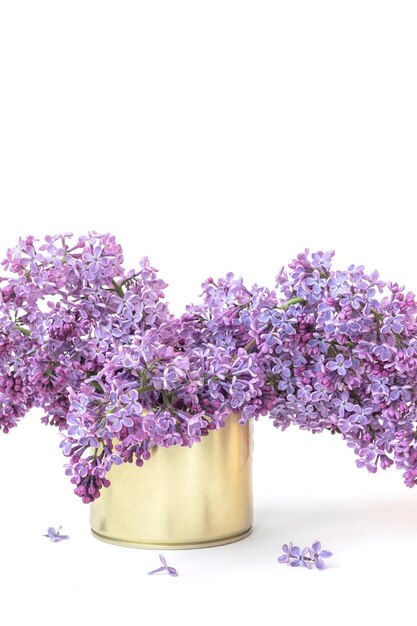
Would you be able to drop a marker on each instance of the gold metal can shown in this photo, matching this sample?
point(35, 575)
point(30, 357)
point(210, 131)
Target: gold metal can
point(181, 497)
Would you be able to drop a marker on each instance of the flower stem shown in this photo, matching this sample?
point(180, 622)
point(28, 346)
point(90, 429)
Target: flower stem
point(118, 288)
point(96, 385)
point(23, 330)
point(287, 304)
point(250, 346)
point(144, 388)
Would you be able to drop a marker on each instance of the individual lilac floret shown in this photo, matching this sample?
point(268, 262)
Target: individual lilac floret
point(307, 557)
point(301, 557)
point(54, 535)
point(165, 568)
point(288, 553)
point(339, 365)
point(318, 555)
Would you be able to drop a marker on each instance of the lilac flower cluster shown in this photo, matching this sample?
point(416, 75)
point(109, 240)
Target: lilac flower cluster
point(307, 557)
point(96, 347)
point(337, 351)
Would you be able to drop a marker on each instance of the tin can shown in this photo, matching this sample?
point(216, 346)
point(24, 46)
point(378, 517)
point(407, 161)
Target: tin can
point(182, 497)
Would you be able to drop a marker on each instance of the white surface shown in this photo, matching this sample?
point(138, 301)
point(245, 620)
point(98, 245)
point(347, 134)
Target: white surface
point(213, 137)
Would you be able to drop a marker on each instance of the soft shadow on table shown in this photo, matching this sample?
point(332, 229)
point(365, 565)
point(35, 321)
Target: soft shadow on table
point(354, 522)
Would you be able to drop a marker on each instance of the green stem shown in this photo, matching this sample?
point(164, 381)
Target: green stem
point(96, 385)
point(399, 339)
point(118, 288)
point(287, 304)
point(332, 352)
point(166, 399)
point(144, 389)
point(378, 316)
point(23, 330)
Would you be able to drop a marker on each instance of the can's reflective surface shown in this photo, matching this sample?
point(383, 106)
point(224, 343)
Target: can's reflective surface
point(182, 497)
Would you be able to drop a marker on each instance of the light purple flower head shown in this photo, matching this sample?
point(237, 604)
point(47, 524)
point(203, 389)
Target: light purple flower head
point(96, 347)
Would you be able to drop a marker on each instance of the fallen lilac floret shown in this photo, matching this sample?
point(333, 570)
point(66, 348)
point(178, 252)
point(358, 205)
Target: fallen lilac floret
point(54, 535)
point(165, 568)
point(318, 555)
point(307, 557)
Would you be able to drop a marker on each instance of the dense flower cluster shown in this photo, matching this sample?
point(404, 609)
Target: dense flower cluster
point(337, 350)
point(98, 350)
point(343, 359)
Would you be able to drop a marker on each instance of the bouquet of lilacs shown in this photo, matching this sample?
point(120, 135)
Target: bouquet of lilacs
point(97, 348)
point(337, 350)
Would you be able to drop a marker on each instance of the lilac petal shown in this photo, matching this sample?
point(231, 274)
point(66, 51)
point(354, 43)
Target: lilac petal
point(165, 568)
point(316, 546)
point(295, 563)
point(59, 538)
point(155, 571)
point(320, 564)
point(283, 558)
point(325, 554)
point(54, 535)
point(172, 571)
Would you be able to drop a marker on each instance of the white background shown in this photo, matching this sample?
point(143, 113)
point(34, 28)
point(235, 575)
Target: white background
point(213, 136)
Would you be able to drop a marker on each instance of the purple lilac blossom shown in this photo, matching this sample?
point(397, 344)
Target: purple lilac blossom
point(318, 555)
point(306, 557)
point(97, 349)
